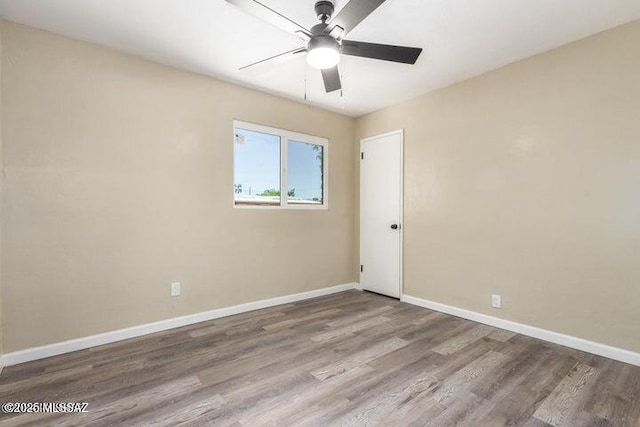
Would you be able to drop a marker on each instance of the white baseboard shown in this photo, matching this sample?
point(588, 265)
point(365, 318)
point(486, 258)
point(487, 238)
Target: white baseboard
point(35, 353)
point(614, 353)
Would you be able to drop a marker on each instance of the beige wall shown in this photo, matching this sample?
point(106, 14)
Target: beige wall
point(119, 181)
point(526, 182)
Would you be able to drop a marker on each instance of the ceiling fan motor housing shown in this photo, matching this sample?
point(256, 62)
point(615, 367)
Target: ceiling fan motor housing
point(324, 9)
point(323, 40)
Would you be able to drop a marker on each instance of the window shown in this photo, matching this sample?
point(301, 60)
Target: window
point(268, 160)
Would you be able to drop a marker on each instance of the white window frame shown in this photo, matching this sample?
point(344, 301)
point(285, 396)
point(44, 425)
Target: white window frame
point(285, 136)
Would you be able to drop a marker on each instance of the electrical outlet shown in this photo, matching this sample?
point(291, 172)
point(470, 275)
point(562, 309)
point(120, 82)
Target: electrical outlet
point(496, 301)
point(175, 289)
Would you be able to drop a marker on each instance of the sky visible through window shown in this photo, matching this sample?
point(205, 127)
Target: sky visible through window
point(257, 168)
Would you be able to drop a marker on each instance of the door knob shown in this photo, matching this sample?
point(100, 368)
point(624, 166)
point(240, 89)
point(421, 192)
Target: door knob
point(394, 226)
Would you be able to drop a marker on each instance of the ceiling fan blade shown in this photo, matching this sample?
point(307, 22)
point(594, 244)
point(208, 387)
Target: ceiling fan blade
point(350, 16)
point(385, 52)
point(331, 78)
point(276, 59)
point(260, 11)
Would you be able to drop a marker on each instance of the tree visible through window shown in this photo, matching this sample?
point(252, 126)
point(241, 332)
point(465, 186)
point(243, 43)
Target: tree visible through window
point(267, 160)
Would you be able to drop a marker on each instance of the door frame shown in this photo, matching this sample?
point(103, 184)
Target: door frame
point(369, 138)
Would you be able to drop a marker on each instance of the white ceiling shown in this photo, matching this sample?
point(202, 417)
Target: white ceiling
point(461, 38)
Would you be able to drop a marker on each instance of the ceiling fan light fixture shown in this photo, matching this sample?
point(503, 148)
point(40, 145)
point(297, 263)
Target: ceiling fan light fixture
point(323, 52)
point(323, 58)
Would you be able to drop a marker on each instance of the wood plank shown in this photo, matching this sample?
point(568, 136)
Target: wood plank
point(292, 321)
point(361, 316)
point(501, 335)
point(359, 358)
point(558, 407)
point(187, 413)
point(378, 408)
point(306, 405)
point(459, 342)
point(467, 376)
point(349, 330)
point(126, 408)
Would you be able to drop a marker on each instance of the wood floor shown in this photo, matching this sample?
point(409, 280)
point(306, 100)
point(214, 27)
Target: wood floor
point(352, 358)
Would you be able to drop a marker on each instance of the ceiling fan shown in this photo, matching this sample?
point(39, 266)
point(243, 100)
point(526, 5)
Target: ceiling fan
point(325, 41)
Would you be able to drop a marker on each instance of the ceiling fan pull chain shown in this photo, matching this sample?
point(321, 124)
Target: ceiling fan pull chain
point(305, 82)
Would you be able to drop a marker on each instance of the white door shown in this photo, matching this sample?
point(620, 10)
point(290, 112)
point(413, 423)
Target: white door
point(381, 213)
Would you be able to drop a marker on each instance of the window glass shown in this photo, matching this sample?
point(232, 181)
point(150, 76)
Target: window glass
point(305, 173)
point(257, 168)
